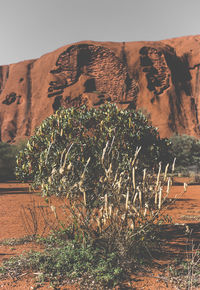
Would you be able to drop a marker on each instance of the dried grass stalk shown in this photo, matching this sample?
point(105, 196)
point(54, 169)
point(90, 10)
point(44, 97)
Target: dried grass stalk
point(160, 198)
point(84, 198)
point(158, 175)
point(135, 197)
point(166, 170)
point(110, 211)
point(127, 199)
point(113, 139)
point(156, 196)
point(106, 204)
point(146, 208)
point(185, 185)
point(63, 163)
point(109, 171)
point(144, 176)
point(136, 155)
point(86, 165)
point(133, 178)
point(104, 152)
point(157, 184)
point(173, 165)
point(168, 185)
point(140, 197)
point(99, 224)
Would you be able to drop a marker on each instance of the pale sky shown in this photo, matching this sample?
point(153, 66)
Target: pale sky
point(31, 28)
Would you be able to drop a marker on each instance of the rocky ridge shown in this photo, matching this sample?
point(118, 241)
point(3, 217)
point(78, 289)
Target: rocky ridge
point(160, 78)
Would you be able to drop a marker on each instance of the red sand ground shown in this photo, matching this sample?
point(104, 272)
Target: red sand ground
point(186, 210)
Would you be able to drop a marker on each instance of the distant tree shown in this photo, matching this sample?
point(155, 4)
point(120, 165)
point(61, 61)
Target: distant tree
point(7, 161)
point(186, 149)
point(8, 155)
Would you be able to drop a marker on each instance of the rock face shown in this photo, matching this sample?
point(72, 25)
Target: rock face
point(160, 78)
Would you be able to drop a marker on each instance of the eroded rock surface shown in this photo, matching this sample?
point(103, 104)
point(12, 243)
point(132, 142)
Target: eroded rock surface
point(161, 78)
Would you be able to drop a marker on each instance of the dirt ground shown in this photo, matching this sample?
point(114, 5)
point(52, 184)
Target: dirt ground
point(15, 204)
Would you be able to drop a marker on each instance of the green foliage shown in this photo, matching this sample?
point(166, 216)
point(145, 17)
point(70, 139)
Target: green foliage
point(8, 154)
point(56, 156)
point(186, 149)
point(7, 161)
point(69, 261)
point(65, 259)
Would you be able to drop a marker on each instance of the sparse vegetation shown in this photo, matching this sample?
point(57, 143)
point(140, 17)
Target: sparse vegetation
point(19, 241)
point(185, 271)
point(67, 261)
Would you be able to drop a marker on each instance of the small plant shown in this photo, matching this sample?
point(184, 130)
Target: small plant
point(186, 272)
point(69, 262)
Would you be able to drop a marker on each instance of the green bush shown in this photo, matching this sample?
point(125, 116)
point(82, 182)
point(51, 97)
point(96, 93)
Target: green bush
point(55, 157)
point(7, 161)
point(8, 155)
point(186, 150)
point(101, 162)
point(95, 160)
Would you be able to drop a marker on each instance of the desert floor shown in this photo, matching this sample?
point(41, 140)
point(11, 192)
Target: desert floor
point(16, 201)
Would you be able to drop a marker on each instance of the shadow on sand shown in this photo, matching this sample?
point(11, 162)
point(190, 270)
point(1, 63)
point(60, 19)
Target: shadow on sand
point(13, 187)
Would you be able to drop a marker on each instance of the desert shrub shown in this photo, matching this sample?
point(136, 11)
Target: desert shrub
point(65, 141)
point(186, 150)
point(102, 163)
point(104, 243)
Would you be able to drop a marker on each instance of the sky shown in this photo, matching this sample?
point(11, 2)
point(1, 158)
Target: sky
point(31, 28)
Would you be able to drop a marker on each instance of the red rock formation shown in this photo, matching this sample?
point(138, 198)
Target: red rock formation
point(161, 78)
